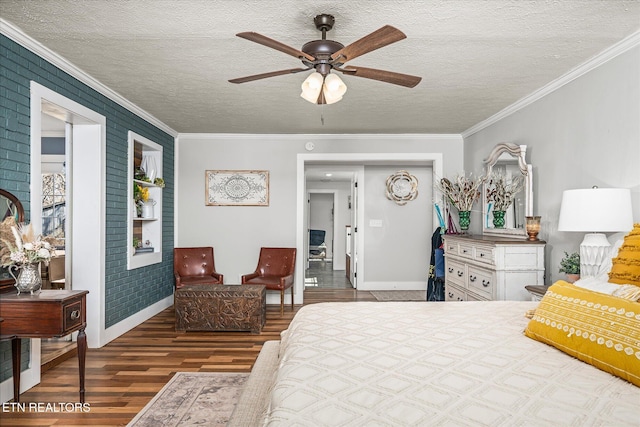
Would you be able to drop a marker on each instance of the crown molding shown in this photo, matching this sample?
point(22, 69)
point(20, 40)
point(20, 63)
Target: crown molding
point(18, 36)
point(321, 137)
point(606, 55)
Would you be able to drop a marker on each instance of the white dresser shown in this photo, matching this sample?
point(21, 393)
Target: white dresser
point(491, 268)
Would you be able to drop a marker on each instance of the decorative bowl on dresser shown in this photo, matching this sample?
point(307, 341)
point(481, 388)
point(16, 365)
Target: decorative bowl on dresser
point(491, 267)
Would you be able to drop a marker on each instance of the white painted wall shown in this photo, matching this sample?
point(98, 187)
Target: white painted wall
point(585, 133)
point(237, 233)
point(397, 238)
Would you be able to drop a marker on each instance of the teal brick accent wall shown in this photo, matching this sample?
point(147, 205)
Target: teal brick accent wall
point(126, 292)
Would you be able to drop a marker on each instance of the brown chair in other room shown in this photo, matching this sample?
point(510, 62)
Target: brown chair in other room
point(195, 266)
point(275, 271)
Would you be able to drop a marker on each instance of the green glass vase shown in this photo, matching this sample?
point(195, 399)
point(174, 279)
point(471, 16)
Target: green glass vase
point(464, 219)
point(498, 219)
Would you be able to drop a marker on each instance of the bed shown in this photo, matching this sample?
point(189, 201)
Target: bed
point(427, 364)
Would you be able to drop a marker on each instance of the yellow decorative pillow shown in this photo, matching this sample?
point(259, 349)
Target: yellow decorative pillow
point(626, 266)
point(598, 329)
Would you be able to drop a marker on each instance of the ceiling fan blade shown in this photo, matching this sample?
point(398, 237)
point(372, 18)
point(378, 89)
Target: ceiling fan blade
point(266, 75)
point(379, 38)
point(273, 44)
point(381, 75)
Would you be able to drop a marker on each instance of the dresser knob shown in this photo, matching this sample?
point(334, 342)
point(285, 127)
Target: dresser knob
point(75, 314)
point(485, 283)
point(450, 270)
point(481, 255)
point(460, 273)
point(472, 278)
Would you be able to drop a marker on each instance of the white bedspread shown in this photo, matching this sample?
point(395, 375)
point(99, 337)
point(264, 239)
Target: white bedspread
point(436, 364)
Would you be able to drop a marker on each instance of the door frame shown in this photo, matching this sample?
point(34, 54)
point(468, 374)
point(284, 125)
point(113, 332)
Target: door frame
point(435, 160)
point(89, 218)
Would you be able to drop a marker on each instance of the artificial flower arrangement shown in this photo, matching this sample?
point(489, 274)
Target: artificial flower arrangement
point(20, 244)
point(501, 191)
point(462, 192)
point(140, 193)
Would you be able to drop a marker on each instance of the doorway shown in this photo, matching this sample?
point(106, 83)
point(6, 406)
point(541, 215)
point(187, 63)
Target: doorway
point(326, 253)
point(87, 237)
point(356, 162)
point(56, 181)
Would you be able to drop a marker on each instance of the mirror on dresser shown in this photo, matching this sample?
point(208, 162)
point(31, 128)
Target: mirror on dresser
point(509, 160)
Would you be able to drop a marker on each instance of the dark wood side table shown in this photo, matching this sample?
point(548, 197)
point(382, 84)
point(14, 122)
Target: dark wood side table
point(47, 314)
point(536, 291)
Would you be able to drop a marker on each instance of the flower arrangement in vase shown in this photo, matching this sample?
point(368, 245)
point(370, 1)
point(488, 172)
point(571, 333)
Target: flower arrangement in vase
point(462, 192)
point(23, 250)
point(500, 192)
point(140, 195)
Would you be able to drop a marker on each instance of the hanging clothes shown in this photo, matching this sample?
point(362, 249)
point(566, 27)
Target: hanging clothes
point(435, 284)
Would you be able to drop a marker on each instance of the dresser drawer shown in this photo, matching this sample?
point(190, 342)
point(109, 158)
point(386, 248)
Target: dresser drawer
point(465, 251)
point(484, 254)
point(452, 293)
point(482, 282)
point(455, 272)
point(450, 248)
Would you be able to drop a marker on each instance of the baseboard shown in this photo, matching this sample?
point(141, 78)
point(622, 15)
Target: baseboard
point(131, 322)
point(392, 286)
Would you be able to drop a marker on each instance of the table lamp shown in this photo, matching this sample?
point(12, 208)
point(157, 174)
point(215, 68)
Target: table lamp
point(595, 211)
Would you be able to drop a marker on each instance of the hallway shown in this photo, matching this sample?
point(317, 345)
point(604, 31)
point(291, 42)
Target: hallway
point(321, 274)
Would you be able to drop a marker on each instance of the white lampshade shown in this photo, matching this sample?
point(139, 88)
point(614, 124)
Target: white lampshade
point(311, 87)
point(595, 211)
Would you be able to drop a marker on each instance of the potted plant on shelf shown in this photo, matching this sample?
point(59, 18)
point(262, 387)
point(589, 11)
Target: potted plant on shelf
point(570, 265)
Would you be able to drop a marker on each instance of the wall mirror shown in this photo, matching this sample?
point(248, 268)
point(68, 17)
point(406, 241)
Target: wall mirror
point(9, 206)
point(510, 161)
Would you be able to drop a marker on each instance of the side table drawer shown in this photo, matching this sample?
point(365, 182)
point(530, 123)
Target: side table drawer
point(72, 315)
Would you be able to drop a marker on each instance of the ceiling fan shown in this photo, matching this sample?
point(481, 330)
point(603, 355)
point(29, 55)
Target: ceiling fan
point(324, 55)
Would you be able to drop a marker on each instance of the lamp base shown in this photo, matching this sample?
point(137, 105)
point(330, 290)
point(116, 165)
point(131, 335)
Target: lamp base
point(594, 250)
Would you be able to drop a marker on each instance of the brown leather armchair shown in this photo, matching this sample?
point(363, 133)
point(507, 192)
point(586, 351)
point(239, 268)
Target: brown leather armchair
point(275, 271)
point(195, 266)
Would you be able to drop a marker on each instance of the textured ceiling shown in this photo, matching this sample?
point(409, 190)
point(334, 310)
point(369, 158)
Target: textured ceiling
point(172, 58)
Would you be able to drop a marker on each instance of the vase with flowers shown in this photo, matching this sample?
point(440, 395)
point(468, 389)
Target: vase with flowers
point(140, 196)
point(500, 192)
point(463, 191)
point(23, 251)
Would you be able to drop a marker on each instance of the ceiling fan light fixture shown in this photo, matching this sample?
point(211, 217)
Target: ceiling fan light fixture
point(311, 87)
point(334, 85)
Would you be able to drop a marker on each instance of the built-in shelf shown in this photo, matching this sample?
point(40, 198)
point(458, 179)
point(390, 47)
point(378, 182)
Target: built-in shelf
point(147, 230)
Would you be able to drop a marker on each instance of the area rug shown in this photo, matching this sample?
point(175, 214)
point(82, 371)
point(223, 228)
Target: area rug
point(193, 398)
point(400, 295)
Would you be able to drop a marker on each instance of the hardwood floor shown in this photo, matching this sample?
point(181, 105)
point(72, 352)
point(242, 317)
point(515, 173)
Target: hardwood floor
point(123, 376)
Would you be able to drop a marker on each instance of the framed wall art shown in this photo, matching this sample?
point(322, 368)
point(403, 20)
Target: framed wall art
point(236, 188)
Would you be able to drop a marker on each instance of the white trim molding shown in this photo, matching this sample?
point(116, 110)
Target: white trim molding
point(18, 36)
point(606, 55)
